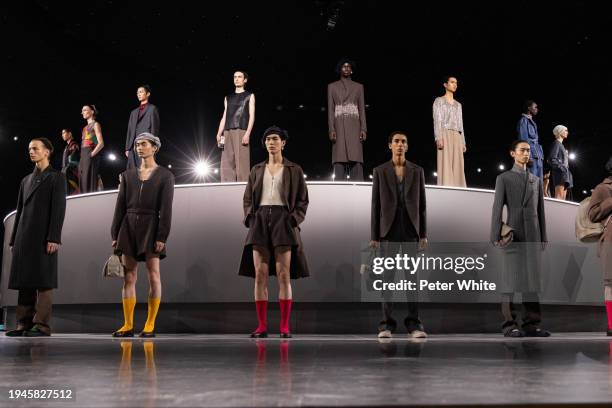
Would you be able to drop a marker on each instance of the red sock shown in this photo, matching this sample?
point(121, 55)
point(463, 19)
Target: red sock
point(285, 311)
point(261, 306)
point(609, 313)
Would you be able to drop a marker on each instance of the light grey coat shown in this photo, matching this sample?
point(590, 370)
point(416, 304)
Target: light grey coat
point(522, 193)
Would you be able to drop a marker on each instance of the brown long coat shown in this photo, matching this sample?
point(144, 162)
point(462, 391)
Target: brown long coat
point(600, 210)
point(346, 117)
point(295, 194)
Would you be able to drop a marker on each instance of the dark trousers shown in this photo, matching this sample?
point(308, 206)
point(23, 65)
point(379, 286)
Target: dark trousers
point(532, 315)
point(89, 169)
point(352, 169)
point(401, 239)
point(34, 308)
point(133, 161)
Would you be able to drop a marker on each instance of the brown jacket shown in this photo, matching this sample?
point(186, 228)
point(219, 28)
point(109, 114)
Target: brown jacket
point(384, 199)
point(346, 117)
point(600, 210)
point(295, 194)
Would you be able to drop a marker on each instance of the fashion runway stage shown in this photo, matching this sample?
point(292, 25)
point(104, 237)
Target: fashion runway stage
point(349, 370)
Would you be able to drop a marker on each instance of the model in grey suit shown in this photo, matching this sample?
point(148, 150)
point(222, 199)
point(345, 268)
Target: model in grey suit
point(523, 195)
point(144, 118)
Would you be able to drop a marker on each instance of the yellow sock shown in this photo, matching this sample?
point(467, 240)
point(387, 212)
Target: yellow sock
point(153, 308)
point(128, 314)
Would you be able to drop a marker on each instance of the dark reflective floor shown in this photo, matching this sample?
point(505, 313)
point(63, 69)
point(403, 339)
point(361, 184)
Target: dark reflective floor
point(194, 370)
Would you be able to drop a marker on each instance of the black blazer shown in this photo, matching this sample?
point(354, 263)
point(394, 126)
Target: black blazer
point(149, 122)
point(384, 199)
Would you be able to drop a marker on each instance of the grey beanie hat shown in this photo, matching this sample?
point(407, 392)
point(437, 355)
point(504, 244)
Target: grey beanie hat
point(150, 137)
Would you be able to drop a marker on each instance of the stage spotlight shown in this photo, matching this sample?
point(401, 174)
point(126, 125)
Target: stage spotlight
point(584, 192)
point(501, 167)
point(216, 171)
point(16, 138)
point(201, 169)
point(371, 177)
point(572, 156)
point(111, 157)
point(478, 170)
point(305, 176)
point(333, 176)
point(348, 177)
point(435, 174)
point(169, 166)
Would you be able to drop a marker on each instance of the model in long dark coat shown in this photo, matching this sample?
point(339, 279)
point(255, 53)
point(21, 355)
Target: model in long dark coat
point(143, 212)
point(41, 206)
point(295, 194)
point(523, 195)
point(143, 119)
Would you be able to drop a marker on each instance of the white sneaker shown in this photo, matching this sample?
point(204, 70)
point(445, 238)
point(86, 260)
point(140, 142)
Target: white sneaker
point(417, 334)
point(385, 334)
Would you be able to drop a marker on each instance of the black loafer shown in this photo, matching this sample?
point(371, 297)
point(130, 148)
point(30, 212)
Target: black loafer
point(124, 333)
point(259, 335)
point(536, 332)
point(285, 335)
point(36, 332)
point(15, 333)
point(146, 335)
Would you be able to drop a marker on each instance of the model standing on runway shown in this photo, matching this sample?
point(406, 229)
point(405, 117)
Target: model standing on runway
point(140, 229)
point(35, 241)
point(347, 123)
point(91, 145)
point(275, 203)
point(601, 211)
point(235, 129)
point(449, 135)
point(527, 130)
point(399, 218)
point(70, 162)
point(144, 118)
point(523, 195)
point(558, 159)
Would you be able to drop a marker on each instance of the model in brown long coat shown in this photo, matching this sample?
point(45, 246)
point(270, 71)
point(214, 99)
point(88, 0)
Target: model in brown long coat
point(347, 123)
point(275, 203)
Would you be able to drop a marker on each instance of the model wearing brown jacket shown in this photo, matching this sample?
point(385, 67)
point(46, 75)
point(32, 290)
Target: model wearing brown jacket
point(273, 245)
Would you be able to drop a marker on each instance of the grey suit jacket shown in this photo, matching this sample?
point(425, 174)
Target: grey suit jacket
point(525, 203)
point(384, 199)
point(149, 122)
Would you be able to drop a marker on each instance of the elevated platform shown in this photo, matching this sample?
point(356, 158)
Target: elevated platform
point(207, 238)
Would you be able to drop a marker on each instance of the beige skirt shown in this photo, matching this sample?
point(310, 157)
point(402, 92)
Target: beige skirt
point(450, 160)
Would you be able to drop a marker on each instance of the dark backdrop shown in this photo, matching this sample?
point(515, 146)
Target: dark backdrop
point(56, 56)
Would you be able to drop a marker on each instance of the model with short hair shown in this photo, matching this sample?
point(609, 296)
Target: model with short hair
point(140, 229)
point(449, 135)
point(235, 129)
point(35, 241)
point(275, 203)
point(523, 195)
point(91, 145)
point(399, 218)
point(145, 118)
point(347, 123)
